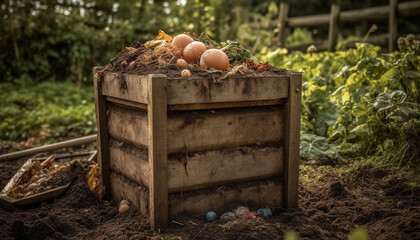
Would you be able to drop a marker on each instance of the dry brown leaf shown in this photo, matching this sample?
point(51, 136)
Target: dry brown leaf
point(130, 49)
point(163, 36)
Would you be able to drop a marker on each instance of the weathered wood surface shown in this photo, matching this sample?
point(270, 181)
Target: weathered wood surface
point(157, 150)
point(130, 161)
point(262, 193)
point(393, 25)
point(102, 135)
point(218, 105)
point(126, 103)
point(211, 168)
point(193, 91)
point(207, 130)
point(205, 169)
point(49, 147)
point(186, 91)
point(283, 13)
point(123, 188)
point(292, 138)
point(128, 125)
point(128, 87)
point(202, 130)
point(333, 28)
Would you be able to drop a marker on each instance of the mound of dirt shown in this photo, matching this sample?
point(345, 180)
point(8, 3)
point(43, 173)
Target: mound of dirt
point(139, 60)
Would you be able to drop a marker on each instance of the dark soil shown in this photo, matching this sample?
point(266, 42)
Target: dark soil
point(376, 199)
point(134, 62)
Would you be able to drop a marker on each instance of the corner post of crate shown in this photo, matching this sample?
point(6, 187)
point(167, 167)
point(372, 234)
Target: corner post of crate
point(333, 27)
point(102, 136)
point(157, 148)
point(283, 12)
point(292, 140)
point(393, 5)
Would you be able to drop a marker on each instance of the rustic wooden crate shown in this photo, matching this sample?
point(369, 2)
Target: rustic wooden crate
point(161, 139)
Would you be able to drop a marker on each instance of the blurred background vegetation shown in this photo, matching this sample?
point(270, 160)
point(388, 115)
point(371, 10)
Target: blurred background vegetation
point(63, 39)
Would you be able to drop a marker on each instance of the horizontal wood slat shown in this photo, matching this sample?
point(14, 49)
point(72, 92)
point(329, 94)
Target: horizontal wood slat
point(262, 193)
point(128, 125)
point(211, 168)
point(195, 91)
point(129, 161)
point(204, 130)
point(207, 130)
point(128, 87)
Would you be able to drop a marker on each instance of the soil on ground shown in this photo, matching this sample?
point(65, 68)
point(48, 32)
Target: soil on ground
point(331, 205)
point(140, 60)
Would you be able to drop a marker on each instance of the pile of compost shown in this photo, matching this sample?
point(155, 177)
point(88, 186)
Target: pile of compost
point(144, 59)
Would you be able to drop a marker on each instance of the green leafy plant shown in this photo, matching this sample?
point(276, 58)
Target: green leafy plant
point(358, 102)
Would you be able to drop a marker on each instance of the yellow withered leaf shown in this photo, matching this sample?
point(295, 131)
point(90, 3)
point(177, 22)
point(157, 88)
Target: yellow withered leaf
point(161, 38)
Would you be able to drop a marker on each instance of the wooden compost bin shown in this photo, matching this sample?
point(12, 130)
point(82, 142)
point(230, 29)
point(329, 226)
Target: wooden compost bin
point(175, 145)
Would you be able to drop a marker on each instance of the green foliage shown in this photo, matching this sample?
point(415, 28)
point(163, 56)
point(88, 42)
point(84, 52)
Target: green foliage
point(358, 102)
point(45, 110)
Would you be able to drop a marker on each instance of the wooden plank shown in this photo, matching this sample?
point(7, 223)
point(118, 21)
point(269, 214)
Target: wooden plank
point(283, 13)
point(261, 193)
point(128, 87)
point(157, 119)
point(199, 90)
point(49, 147)
point(211, 168)
point(126, 103)
point(208, 130)
point(407, 9)
point(130, 161)
point(128, 125)
point(292, 138)
point(122, 188)
point(333, 29)
point(392, 25)
point(202, 106)
point(102, 135)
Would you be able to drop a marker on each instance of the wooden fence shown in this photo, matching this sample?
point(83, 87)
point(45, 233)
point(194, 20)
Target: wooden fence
point(389, 12)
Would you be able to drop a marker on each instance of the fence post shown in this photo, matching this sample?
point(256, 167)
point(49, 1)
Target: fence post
point(333, 28)
point(392, 24)
point(283, 12)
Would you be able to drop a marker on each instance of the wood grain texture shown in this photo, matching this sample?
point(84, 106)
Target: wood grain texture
point(123, 188)
point(218, 105)
point(102, 135)
point(333, 27)
point(393, 25)
point(128, 125)
point(195, 91)
point(157, 149)
point(292, 138)
point(123, 86)
point(281, 34)
point(211, 168)
point(205, 130)
point(130, 161)
point(262, 193)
